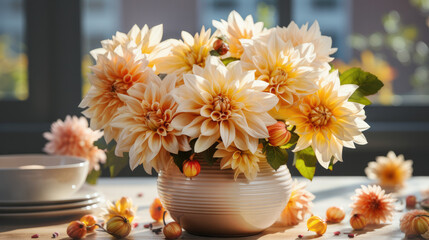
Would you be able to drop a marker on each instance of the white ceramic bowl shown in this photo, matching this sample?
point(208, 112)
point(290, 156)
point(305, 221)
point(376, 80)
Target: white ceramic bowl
point(38, 177)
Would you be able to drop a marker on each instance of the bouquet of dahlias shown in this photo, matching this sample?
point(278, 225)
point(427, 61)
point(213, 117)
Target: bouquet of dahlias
point(241, 95)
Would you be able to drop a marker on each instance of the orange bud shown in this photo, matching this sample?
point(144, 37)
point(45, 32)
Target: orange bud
point(90, 222)
point(156, 210)
point(220, 47)
point(358, 221)
point(317, 225)
point(420, 224)
point(335, 214)
point(279, 135)
point(191, 167)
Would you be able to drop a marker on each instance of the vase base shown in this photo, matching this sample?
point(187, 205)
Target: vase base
point(203, 234)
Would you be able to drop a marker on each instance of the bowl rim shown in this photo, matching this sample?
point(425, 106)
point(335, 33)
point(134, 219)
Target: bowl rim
point(82, 162)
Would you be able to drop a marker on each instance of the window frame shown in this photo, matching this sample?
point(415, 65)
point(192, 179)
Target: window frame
point(53, 33)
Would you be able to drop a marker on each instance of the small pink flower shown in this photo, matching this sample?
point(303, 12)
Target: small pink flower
point(73, 137)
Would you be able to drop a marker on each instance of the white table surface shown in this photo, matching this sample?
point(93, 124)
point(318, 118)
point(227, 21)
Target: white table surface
point(329, 191)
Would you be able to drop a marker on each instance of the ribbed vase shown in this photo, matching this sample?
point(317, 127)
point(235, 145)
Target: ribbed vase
point(213, 204)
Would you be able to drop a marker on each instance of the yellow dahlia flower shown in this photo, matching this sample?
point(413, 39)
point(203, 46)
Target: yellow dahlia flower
point(391, 171)
point(187, 53)
point(148, 40)
point(146, 118)
point(226, 102)
point(286, 69)
point(122, 207)
point(298, 36)
point(241, 161)
point(236, 29)
point(114, 72)
point(327, 121)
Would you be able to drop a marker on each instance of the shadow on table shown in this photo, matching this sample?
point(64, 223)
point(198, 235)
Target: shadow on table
point(9, 224)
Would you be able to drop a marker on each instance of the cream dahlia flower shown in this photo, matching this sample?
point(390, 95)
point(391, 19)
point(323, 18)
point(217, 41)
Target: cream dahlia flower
point(298, 36)
point(299, 204)
point(146, 118)
point(226, 102)
point(372, 202)
point(187, 53)
point(391, 171)
point(148, 40)
point(236, 29)
point(241, 161)
point(327, 121)
point(114, 73)
point(286, 69)
point(73, 137)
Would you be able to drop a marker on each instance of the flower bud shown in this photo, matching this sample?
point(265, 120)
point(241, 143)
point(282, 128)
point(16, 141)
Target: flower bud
point(191, 168)
point(172, 230)
point(279, 135)
point(90, 222)
point(411, 202)
point(335, 214)
point(76, 230)
point(420, 224)
point(317, 225)
point(156, 210)
point(220, 47)
point(358, 221)
point(118, 226)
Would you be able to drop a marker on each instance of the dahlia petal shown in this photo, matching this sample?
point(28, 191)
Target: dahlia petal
point(204, 142)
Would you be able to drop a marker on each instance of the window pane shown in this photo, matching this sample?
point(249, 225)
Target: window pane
point(102, 18)
point(13, 58)
point(389, 38)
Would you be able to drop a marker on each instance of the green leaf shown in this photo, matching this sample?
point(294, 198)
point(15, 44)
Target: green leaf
point(305, 162)
point(229, 60)
point(101, 143)
point(331, 164)
point(276, 156)
point(214, 53)
point(368, 84)
point(115, 163)
point(358, 97)
point(93, 176)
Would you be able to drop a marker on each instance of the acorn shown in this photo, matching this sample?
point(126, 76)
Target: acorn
point(335, 214)
point(76, 230)
point(358, 221)
point(317, 225)
point(279, 135)
point(118, 227)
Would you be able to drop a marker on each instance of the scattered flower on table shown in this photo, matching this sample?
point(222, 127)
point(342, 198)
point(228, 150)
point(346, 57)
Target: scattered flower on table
point(123, 207)
point(372, 202)
point(73, 137)
point(299, 205)
point(391, 171)
point(406, 221)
